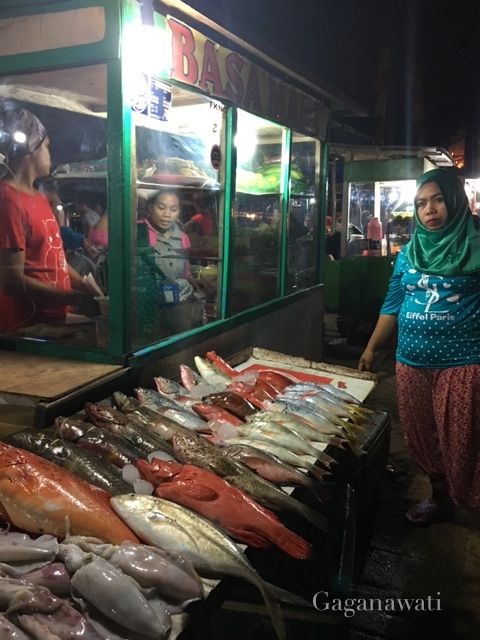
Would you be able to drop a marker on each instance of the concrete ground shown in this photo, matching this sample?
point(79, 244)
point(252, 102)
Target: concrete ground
point(404, 561)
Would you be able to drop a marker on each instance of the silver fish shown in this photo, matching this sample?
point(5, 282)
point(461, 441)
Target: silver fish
point(279, 452)
point(327, 405)
point(187, 419)
point(153, 398)
point(125, 425)
point(273, 433)
point(169, 387)
point(156, 414)
point(171, 526)
point(175, 392)
point(304, 410)
point(211, 375)
point(297, 424)
point(271, 468)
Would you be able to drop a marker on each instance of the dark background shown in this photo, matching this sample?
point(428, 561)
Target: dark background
point(413, 64)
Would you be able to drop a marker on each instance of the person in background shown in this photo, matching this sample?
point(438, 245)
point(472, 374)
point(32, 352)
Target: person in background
point(334, 239)
point(328, 225)
point(98, 234)
point(170, 242)
point(36, 283)
point(71, 239)
point(434, 297)
point(203, 220)
point(88, 216)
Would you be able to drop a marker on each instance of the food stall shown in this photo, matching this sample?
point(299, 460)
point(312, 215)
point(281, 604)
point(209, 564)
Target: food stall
point(375, 197)
point(137, 98)
point(142, 97)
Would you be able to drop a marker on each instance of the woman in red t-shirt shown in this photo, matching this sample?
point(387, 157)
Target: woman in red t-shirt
point(36, 283)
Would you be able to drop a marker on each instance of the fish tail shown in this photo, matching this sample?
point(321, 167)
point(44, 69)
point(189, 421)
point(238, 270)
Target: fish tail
point(362, 409)
point(317, 472)
point(293, 544)
point(357, 450)
point(317, 519)
point(274, 609)
point(311, 483)
point(319, 490)
point(325, 460)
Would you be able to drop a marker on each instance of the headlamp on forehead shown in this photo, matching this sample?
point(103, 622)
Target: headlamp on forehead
point(19, 137)
point(21, 133)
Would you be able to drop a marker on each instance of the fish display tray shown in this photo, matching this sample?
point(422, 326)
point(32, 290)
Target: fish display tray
point(352, 494)
point(358, 383)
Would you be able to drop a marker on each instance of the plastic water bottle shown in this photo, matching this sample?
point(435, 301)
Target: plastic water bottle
point(374, 237)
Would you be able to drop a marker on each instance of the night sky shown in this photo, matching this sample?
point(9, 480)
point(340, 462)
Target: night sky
point(419, 57)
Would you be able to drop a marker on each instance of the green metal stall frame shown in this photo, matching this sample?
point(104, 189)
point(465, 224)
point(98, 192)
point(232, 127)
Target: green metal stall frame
point(120, 192)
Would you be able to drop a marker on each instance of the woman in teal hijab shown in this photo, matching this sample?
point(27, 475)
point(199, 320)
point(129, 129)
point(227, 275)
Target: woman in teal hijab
point(454, 248)
point(434, 299)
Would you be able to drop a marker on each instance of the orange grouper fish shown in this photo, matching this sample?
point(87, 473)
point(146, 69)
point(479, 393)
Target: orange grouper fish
point(40, 497)
point(209, 495)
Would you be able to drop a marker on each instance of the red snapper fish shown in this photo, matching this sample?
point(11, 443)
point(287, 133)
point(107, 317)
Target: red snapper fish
point(40, 497)
point(212, 497)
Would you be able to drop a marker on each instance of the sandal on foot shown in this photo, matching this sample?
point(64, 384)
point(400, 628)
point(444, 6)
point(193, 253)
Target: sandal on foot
point(427, 512)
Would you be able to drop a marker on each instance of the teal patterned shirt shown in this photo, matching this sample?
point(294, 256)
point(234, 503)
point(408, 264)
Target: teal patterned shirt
point(438, 317)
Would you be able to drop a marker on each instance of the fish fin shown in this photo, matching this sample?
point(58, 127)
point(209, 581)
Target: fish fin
point(293, 545)
point(250, 538)
point(317, 472)
point(287, 597)
point(325, 460)
point(274, 609)
point(199, 492)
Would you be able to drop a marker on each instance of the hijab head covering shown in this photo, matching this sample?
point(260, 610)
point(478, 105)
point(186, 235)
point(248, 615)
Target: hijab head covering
point(455, 248)
point(21, 133)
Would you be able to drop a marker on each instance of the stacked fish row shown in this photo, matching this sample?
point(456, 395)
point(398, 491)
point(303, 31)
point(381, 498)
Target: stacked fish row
point(188, 469)
point(38, 496)
point(125, 592)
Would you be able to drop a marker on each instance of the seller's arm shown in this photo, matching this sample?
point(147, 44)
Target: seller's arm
point(384, 328)
point(80, 284)
point(15, 283)
point(387, 320)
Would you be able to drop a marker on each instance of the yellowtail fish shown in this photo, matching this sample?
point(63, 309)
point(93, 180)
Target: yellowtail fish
point(213, 554)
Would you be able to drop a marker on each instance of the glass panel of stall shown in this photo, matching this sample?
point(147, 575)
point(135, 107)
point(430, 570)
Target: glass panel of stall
point(71, 105)
point(388, 204)
point(146, 223)
point(179, 199)
point(256, 212)
point(303, 214)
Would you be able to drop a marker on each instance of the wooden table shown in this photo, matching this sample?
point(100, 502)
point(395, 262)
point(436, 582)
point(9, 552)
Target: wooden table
point(55, 385)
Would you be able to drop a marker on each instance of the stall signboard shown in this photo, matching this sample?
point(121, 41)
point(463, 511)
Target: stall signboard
point(151, 97)
point(200, 62)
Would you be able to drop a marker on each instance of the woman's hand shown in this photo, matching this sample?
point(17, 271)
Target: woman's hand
point(85, 304)
point(383, 330)
point(367, 360)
